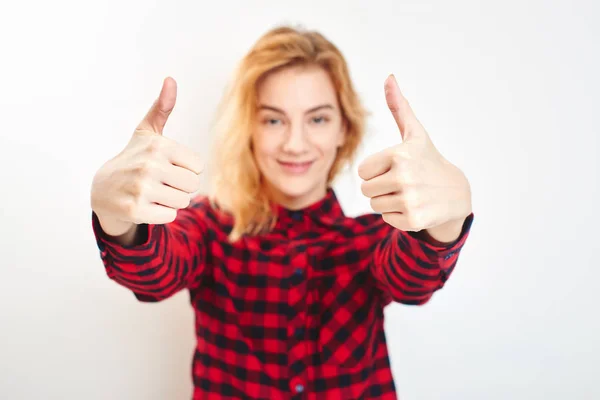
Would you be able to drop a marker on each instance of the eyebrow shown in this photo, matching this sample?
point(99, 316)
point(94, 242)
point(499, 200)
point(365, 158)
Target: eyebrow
point(322, 106)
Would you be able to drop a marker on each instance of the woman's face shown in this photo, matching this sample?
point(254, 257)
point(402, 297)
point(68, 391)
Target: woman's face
point(297, 133)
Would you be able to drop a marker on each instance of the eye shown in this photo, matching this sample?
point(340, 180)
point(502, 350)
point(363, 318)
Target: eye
point(319, 120)
point(272, 121)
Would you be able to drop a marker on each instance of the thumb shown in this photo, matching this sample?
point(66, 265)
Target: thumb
point(398, 105)
point(156, 118)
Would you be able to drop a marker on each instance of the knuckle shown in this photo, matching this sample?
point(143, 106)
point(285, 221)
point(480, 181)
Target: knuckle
point(414, 220)
point(393, 106)
point(403, 175)
point(144, 169)
point(192, 182)
point(195, 185)
point(130, 209)
point(363, 188)
point(155, 146)
point(404, 205)
point(387, 218)
point(400, 156)
point(199, 166)
point(138, 187)
point(400, 162)
point(361, 171)
point(399, 176)
point(398, 153)
point(184, 201)
point(171, 215)
point(411, 199)
point(376, 204)
point(178, 199)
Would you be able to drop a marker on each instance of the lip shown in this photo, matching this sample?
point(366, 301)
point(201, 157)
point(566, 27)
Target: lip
point(295, 167)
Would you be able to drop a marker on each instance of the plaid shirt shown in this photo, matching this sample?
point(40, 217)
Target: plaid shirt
point(293, 314)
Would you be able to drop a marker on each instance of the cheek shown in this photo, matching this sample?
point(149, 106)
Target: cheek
point(329, 139)
point(264, 149)
point(327, 145)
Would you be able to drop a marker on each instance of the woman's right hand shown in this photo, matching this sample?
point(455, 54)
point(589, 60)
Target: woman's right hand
point(150, 179)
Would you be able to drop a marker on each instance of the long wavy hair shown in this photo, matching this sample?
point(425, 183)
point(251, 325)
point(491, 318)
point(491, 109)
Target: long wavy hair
point(237, 182)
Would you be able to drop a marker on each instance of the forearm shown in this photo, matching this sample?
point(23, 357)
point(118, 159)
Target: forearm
point(158, 262)
point(404, 272)
point(410, 269)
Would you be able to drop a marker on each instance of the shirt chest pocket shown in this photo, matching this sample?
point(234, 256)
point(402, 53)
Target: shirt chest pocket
point(347, 321)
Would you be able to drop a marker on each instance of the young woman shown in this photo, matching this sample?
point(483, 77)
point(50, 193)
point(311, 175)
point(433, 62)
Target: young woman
point(288, 292)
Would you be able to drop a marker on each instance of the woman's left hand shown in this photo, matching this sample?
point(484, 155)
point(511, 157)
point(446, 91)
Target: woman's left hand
point(411, 184)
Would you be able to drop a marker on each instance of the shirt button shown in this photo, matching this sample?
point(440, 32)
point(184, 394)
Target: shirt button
point(297, 216)
point(298, 271)
point(296, 385)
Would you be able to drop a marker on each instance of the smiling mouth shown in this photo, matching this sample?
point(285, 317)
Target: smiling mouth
point(296, 167)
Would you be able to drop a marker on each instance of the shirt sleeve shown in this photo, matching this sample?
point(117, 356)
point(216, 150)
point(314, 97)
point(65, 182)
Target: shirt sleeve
point(409, 269)
point(166, 258)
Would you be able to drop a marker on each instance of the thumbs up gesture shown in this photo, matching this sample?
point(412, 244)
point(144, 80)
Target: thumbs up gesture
point(149, 180)
point(411, 184)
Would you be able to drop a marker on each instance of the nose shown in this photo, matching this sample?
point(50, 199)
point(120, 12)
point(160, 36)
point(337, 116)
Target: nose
point(295, 140)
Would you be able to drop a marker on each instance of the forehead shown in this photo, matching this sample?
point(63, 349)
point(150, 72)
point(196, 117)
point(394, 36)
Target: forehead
point(297, 88)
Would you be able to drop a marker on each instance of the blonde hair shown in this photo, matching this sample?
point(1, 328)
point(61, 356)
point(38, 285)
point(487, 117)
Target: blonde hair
point(237, 182)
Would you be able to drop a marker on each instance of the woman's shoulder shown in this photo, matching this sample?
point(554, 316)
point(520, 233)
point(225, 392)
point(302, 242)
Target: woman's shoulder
point(206, 209)
point(369, 221)
point(361, 224)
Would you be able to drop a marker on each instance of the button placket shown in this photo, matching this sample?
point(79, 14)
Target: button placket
point(298, 275)
point(297, 324)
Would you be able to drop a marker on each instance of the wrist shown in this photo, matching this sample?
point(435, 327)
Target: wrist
point(114, 227)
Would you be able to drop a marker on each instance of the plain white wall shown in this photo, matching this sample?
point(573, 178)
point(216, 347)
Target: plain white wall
point(507, 90)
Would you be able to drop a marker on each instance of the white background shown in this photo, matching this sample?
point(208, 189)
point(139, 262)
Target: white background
point(508, 90)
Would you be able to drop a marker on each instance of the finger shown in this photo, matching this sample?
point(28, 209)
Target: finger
point(388, 203)
point(398, 220)
point(381, 185)
point(179, 178)
point(168, 196)
point(157, 214)
point(407, 221)
point(184, 157)
point(156, 118)
point(375, 165)
point(398, 105)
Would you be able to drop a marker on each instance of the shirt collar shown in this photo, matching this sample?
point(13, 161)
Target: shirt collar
point(327, 210)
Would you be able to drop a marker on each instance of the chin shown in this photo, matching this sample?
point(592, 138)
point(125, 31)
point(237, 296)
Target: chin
point(294, 187)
